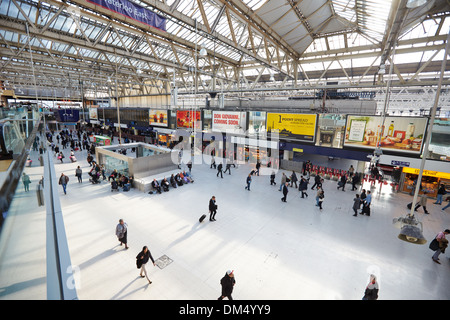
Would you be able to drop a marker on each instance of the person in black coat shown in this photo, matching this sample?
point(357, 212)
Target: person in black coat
point(156, 186)
point(173, 183)
point(272, 178)
point(142, 259)
point(355, 180)
point(212, 209)
point(303, 187)
point(316, 181)
point(227, 282)
point(249, 181)
point(342, 182)
point(219, 170)
point(285, 192)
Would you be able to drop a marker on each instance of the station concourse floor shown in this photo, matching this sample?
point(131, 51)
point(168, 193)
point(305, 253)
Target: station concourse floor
point(278, 251)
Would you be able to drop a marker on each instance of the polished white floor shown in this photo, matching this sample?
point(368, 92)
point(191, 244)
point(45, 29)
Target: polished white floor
point(277, 250)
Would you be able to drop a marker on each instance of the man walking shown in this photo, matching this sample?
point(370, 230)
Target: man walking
point(285, 192)
point(219, 170)
point(227, 282)
point(63, 180)
point(212, 209)
point(316, 181)
point(440, 194)
point(249, 180)
point(78, 173)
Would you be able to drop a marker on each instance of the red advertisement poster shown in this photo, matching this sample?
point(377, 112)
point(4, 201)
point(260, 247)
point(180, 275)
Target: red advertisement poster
point(188, 119)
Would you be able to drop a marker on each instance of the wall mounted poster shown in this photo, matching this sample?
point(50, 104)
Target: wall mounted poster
point(292, 125)
point(229, 121)
point(188, 119)
point(93, 114)
point(400, 134)
point(157, 117)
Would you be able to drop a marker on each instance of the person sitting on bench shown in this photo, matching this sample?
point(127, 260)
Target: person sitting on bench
point(156, 186)
point(165, 184)
point(173, 183)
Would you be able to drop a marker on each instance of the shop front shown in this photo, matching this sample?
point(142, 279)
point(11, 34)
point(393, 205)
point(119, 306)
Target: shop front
point(430, 181)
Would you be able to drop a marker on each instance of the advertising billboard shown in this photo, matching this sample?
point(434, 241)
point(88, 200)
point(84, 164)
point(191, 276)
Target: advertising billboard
point(229, 121)
point(93, 114)
point(400, 134)
point(293, 126)
point(188, 119)
point(158, 117)
point(330, 130)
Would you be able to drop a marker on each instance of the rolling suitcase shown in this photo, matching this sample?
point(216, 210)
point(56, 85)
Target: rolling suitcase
point(202, 218)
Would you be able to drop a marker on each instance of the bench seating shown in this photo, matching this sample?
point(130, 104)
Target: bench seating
point(145, 184)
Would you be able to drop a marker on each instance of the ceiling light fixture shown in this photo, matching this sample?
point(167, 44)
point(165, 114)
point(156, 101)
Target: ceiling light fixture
point(411, 4)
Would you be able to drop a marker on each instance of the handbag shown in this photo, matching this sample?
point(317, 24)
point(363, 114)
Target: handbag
point(434, 245)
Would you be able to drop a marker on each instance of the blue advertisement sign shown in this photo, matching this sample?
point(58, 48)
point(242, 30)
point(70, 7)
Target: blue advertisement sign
point(133, 11)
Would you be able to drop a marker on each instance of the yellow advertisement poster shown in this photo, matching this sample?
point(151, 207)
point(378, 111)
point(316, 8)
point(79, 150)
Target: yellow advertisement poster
point(293, 125)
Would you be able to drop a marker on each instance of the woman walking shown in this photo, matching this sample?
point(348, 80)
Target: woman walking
point(356, 205)
point(121, 233)
point(142, 259)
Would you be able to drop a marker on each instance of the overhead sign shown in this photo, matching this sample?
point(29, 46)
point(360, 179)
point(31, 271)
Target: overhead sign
point(401, 134)
point(229, 121)
point(133, 11)
point(400, 163)
point(293, 126)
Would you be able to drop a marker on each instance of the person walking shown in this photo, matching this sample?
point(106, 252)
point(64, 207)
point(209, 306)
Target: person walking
point(303, 187)
point(446, 206)
point(316, 181)
point(356, 204)
point(64, 180)
point(319, 190)
point(367, 202)
point(355, 180)
point(122, 232)
point(342, 182)
point(249, 181)
point(227, 282)
point(440, 194)
point(228, 168)
point(258, 166)
point(272, 178)
point(78, 174)
point(422, 202)
point(212, 209)
point(371, 292)
point(321, 197)
point(294, 179)
point(283, 181)
point(26, 182)
point(141, 261)
point(438, 245)
point(213, 162)
point(219, 170)
point(285, 192)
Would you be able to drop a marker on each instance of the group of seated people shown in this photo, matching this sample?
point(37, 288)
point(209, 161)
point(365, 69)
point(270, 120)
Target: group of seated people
point(120, 181)
point(174, 181)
